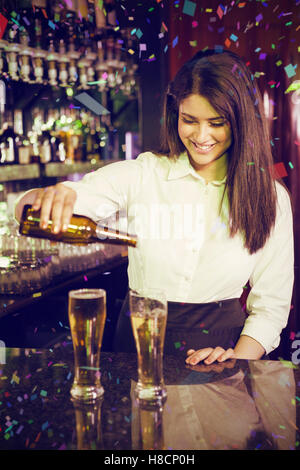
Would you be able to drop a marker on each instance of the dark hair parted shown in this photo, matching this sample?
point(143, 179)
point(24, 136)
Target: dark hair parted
point(226, 82)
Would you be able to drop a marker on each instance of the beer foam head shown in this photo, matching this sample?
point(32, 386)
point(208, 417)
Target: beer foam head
point(87, 294)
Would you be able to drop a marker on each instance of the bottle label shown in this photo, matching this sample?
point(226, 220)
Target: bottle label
point(24, 155)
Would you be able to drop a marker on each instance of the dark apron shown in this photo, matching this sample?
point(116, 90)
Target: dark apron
point(189, 326)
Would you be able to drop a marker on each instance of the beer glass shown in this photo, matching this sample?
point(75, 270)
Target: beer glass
point(87, 315)
point(148, 315)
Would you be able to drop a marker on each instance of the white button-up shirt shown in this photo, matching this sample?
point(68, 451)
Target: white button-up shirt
point(184, 245)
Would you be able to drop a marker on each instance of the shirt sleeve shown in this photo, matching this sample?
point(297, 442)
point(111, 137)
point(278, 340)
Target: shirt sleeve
point(105, 191)
point(272, 279)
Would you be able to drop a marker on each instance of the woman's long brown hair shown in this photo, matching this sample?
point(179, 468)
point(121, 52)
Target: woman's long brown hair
point(226, 82)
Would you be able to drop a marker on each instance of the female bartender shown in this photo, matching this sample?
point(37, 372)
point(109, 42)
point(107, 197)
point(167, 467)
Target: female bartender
point(207, 212)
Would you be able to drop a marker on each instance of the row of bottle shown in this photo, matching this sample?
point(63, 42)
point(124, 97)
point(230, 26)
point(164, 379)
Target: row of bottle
point(47, 28)
point(64, 135)
point(67, 50)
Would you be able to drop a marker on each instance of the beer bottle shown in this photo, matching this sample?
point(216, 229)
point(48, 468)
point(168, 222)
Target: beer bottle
point(81, 230)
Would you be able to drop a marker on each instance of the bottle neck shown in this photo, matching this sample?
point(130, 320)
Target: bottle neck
point(106, 235)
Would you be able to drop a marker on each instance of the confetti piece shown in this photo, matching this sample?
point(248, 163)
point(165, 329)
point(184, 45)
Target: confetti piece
point(26, 21)
point(51, 24)
point(278, 170)
point(262, 56)
point(293, 86)
point(233, 37)
point(290, 70)
point(288, 364)
point(164, 26)
point(189, 8)
point(139, 33)
point(219, 49)
point(19, 429)
point(220, 12)
point(37, 294)
point(175, 41)
point(92, 104)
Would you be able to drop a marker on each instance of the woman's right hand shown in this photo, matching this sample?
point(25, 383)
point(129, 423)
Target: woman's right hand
point(55, 202)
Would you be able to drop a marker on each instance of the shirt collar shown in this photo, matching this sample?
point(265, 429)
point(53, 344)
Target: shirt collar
point(181, 167)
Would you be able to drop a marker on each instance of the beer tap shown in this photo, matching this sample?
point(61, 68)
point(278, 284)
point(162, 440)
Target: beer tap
point(90, 69)
point(12, 55)
point(72, 55)
point(52, 72)
point(1, 60)
point(63, 62)
point(38, 58)
point(119, 63)
point(24, 56)
point(52, 59)
point(83, 65)
point(101, 68)
point(111, 75)
point(91, 58)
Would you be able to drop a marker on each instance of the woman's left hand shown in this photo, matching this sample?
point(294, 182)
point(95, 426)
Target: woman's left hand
point(209, 355)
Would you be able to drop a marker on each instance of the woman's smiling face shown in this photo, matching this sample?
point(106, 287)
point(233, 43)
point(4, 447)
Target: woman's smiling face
point(206, 135)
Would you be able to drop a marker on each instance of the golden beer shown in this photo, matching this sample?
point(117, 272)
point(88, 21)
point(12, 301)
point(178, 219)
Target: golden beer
point(87, 315)
point(148, 321)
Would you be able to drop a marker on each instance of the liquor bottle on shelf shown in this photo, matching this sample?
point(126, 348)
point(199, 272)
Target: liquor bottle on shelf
point(45, 149)
point(58, 149)
point(81, 230)
point(8, 146)
point(22, 144)
point(92, 140)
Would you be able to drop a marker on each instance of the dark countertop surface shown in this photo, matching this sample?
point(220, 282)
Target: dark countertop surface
point(236, 405)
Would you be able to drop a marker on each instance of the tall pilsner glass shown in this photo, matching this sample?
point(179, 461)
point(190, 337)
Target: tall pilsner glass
point(87, 315)
point(148, 314)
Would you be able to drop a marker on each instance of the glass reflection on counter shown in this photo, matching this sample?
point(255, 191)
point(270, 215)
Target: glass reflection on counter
point(88, 425)
point(147, 432)
point(215, 409)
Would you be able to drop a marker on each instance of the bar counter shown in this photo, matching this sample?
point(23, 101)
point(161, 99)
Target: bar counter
point(236, 405)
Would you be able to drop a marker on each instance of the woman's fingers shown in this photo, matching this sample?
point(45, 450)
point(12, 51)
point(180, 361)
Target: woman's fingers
point(56, 204)
point(190, 351)
point(209, 355)
point(68, 209)
point(198, 356)
point(228, 354)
